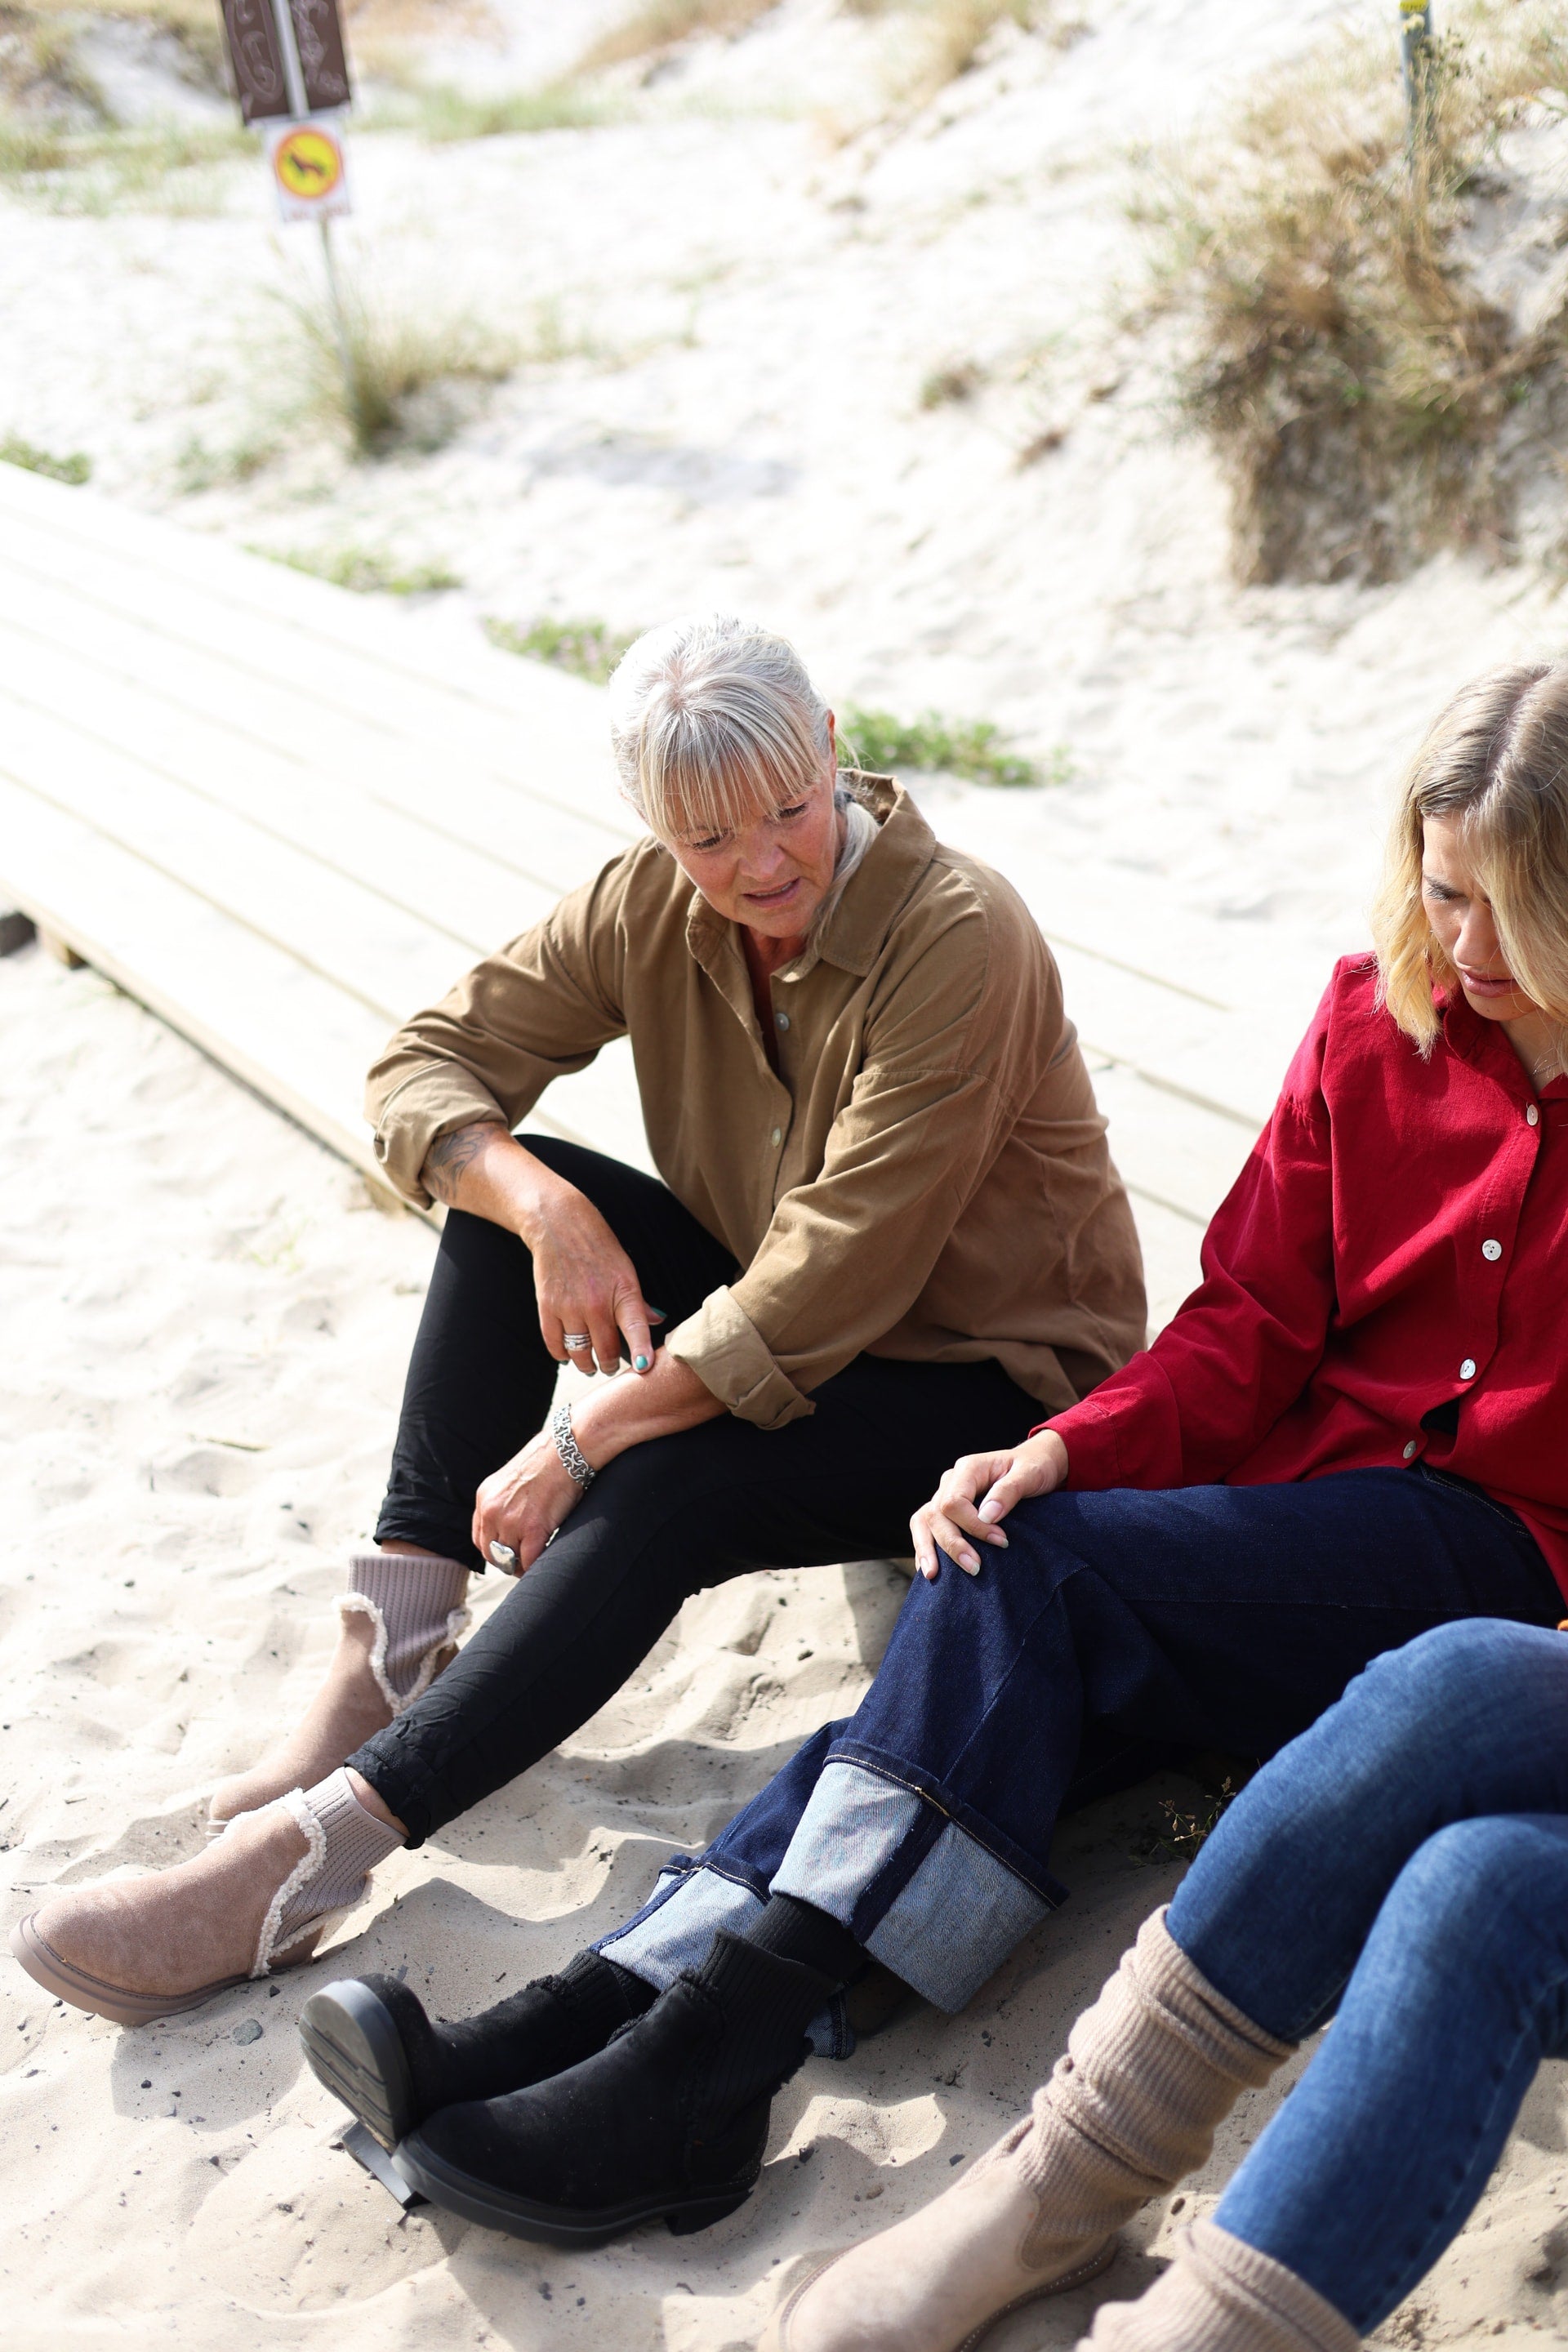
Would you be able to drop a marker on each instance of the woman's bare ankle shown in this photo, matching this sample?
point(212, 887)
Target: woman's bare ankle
point(375, 1805)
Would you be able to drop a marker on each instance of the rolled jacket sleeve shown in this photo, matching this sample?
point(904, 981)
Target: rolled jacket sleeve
point(537, 1010)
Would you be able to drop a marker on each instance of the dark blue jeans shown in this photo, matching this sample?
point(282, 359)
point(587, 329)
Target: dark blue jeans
point(1116, 1627)
point(1405, 1862)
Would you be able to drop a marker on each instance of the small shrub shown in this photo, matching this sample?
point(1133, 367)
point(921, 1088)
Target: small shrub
point(75, 468)
point(445, 116)
point(368, 570)
point(1352, 376)
point(657, 25)
point(972, 747)
point(1183, 1832)
point(588, 649)
point(956, 381)
point(390, 376)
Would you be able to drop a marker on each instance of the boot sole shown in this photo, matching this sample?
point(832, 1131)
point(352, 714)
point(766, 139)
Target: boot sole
point(355, 2050)
point(557, 2225)
point(65, 1982)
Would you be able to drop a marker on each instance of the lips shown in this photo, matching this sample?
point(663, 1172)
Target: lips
point(1488, 983)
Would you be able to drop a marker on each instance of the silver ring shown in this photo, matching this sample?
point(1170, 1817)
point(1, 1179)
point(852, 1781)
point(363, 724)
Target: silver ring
point(574, 1340)
point(502, 1556)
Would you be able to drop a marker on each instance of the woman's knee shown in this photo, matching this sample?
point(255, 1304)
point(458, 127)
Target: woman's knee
point(1487, 1894)
point(1449, 1695)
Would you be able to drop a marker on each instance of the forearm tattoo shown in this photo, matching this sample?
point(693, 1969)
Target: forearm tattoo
point(450, 1155)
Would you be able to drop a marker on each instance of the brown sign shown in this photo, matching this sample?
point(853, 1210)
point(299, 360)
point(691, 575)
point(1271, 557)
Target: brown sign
point(260, 76)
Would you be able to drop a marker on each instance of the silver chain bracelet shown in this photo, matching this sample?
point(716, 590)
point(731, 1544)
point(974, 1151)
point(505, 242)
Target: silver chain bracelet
point(568, 1448)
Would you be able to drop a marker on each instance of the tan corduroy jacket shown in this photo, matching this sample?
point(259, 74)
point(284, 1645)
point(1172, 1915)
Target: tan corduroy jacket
point(924, 1177)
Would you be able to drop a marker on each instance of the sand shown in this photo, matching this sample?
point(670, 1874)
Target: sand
point(206, 1317)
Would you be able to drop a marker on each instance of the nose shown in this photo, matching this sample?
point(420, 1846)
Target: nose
point(1477, 947)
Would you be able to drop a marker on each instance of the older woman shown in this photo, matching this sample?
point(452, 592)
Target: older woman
point(888, 1227)
point(1350, 1434)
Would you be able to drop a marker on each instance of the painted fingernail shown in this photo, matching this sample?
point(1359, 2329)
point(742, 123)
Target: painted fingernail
point(658, 1314)
point(641, 1363)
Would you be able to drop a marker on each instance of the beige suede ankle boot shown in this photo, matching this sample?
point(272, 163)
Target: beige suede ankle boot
point(1221, 2294)
point(1150, 2072)
point(402, 1618)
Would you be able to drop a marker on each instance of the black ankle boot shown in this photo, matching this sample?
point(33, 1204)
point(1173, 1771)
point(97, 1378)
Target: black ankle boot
point(667, 2122)
point(369, 2039)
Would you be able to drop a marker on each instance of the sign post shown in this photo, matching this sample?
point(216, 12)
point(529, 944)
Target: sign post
point(1415, 59)
point(291, 74)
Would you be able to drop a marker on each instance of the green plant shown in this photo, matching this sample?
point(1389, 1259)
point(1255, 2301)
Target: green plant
point(388, 372)
point(954, 381)
point(75, 469)
point(658, 24)
point(443, 115)
point(368, 570)
point(971, 748)
point(1184, 1830)
point(1351, 373)
point(588, 649)
point(156, 166)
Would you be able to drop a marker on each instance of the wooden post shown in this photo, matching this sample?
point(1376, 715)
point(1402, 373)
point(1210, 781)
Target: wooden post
point(1415, 59)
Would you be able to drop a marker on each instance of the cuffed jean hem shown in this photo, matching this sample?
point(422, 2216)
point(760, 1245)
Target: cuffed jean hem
point(894, 1862)
point(675, 1930)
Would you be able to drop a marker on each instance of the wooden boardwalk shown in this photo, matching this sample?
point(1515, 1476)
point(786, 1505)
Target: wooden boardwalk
point(283, 820)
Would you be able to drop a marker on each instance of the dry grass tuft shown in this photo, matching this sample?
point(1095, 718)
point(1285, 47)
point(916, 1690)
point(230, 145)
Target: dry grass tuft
point(657, 25)
point(1361, 388)
point(393, 375)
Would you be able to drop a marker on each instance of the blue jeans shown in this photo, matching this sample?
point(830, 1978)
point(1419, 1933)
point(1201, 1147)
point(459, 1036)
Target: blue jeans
point(1405, 1862)
point(1119, 1628)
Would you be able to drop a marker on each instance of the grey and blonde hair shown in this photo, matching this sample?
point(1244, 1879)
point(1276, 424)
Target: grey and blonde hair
point(1497, 759)
point(714, 721)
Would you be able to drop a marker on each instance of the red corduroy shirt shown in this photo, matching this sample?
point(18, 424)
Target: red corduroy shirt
point(1397, 1243)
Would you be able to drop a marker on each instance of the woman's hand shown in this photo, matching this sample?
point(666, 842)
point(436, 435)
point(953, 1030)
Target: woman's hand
point(977, 1492)
point(584, 1281)
point(524, 1503)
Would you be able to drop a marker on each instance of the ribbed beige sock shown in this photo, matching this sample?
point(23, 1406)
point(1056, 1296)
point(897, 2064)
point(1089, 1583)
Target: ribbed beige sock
point(415, 1601)
point(345, 1844)
point(1221, 2294)
point(1149, 2075)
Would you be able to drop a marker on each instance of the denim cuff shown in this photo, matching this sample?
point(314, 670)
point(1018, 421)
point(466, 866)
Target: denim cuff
point(675, 1930)
point(913, 1886)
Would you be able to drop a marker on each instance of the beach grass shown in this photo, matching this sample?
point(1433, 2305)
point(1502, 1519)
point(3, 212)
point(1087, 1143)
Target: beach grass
point(1351, 373)
point(588, 649)
point(974, 749)
point(74, 467)
point(367, 570)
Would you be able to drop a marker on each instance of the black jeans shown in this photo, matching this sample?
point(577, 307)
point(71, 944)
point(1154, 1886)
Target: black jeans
point(665, 1520)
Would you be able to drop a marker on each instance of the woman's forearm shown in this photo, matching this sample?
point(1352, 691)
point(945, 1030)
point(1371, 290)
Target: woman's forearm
point(630, 1409)
point(484, 1169)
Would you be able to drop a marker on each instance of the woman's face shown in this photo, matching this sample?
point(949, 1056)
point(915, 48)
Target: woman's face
point(1460, 914)
point(774, 873)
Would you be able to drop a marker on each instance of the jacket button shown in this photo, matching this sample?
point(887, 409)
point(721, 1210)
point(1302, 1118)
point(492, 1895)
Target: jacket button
point(1533, 1115)
point(1492, 1250)
point(778, 1138)
point(1468, 1368)
point(1410, 1451)
point(780, 1020)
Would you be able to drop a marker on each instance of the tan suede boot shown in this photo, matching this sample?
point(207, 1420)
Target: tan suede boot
point(1221, 2294)
point(1150, 2072)
point(401, 1620)
point(259, 1899)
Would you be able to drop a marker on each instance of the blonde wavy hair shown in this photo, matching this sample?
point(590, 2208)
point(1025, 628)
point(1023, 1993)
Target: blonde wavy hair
point(1496, 758)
